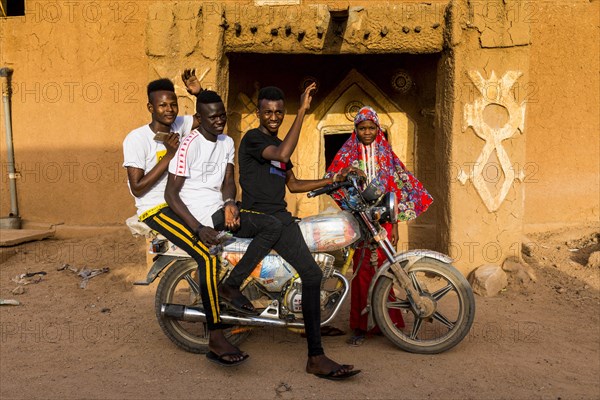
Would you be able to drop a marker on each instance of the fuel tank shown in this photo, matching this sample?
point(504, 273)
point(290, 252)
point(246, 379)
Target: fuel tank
point(330, 231)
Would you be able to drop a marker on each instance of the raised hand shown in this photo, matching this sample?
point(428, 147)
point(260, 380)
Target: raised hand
point(191, 82)
point(306, 97)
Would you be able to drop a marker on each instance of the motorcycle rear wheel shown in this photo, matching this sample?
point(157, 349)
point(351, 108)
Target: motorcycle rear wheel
point(179, 285)
point(452, 299)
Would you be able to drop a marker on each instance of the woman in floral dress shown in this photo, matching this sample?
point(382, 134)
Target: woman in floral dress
point(368, 150)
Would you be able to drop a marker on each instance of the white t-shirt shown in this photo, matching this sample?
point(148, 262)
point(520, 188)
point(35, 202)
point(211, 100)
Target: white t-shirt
point(140, 150)
point(203, 164)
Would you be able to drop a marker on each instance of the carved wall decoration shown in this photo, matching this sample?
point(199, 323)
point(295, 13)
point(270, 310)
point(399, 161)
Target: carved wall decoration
point(401, 81)
point(494, 92)
point(352, 108)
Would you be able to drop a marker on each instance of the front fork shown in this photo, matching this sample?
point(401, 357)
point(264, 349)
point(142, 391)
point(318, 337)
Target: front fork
point(414, 297)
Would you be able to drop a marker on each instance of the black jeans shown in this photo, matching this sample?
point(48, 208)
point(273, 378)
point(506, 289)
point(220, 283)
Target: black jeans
point(281, 233)
point(292, 247)
point(264, 230)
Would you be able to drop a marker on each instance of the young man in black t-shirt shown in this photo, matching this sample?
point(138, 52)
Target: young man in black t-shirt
point(265, 171)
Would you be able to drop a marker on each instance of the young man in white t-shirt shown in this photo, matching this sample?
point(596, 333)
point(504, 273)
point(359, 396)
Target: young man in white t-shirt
point(147, 158)
point(200, 194)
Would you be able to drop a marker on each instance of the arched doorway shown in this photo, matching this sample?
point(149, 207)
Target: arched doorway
point(332, 121)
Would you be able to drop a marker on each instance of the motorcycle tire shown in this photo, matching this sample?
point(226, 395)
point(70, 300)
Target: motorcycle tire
point(451, 299)
point(179, 285)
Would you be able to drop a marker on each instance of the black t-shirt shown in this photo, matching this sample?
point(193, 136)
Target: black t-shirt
point(262, 180)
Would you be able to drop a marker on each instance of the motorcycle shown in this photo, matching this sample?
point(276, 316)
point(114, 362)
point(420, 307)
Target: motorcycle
point(435, 299)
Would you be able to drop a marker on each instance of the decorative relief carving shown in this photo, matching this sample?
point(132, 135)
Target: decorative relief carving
point(495, 92)
point(351, 109)
point(401, 81)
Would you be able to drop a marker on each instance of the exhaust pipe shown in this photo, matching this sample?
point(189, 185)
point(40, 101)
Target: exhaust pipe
point(192, 314)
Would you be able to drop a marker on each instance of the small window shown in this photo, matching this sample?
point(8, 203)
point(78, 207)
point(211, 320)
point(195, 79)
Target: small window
point(12, 8)
point(332, 144)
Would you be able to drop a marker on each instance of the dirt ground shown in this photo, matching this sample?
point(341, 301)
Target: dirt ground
point(535, 340)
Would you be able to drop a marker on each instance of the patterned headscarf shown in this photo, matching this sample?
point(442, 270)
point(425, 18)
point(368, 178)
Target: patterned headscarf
point(379, 162)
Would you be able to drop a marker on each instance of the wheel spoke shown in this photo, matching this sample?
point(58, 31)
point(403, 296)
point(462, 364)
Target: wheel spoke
point(438, 294)
point(445, 311)
point(193, 284)
point(416, 328)
point(413, 278)
point(402, 304)
point(440, 317)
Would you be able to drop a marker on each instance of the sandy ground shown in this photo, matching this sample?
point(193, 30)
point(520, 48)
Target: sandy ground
point(535, 340)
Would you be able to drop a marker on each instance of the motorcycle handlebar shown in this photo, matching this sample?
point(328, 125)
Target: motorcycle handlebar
point(327, 189)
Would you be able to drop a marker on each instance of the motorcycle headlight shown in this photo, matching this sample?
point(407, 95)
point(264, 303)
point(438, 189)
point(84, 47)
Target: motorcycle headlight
point(390, 202)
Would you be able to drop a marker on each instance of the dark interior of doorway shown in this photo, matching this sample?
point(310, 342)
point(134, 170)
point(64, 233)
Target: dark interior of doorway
point(250, 71)
point(333, 144)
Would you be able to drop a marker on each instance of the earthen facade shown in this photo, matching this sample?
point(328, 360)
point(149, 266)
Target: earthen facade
point(493, 104)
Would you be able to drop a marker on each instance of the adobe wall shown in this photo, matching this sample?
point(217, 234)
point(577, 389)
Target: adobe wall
point(483, 134)
point(563, 121)
point(81, 70)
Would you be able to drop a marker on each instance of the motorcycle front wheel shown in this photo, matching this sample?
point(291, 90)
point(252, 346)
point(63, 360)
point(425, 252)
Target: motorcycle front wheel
point(449, 298)
point(180, 285)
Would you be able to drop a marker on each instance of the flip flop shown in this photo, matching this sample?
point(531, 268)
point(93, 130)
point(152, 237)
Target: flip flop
point(333, 377)
point(356, 340)
point(213, 357)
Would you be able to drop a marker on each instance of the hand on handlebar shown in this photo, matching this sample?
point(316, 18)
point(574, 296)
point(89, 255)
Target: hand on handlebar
point(344, 172)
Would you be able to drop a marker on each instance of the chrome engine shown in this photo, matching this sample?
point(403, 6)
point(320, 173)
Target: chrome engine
point(292, 298)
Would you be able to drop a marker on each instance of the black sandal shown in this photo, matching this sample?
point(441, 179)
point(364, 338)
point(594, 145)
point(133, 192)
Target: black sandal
point(220, 359)
point(336, 376)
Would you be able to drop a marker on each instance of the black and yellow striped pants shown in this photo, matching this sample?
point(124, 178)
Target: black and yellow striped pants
point(168, 224)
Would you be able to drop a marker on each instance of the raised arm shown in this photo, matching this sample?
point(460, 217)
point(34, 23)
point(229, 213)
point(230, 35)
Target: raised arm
point(193, 87)
point(284, 151)
point(139, 182)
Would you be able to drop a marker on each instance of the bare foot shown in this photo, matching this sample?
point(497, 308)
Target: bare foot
point(218, 344)
point(324, 367)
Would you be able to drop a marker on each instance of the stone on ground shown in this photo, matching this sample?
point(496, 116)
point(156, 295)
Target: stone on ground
point(488, 280)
